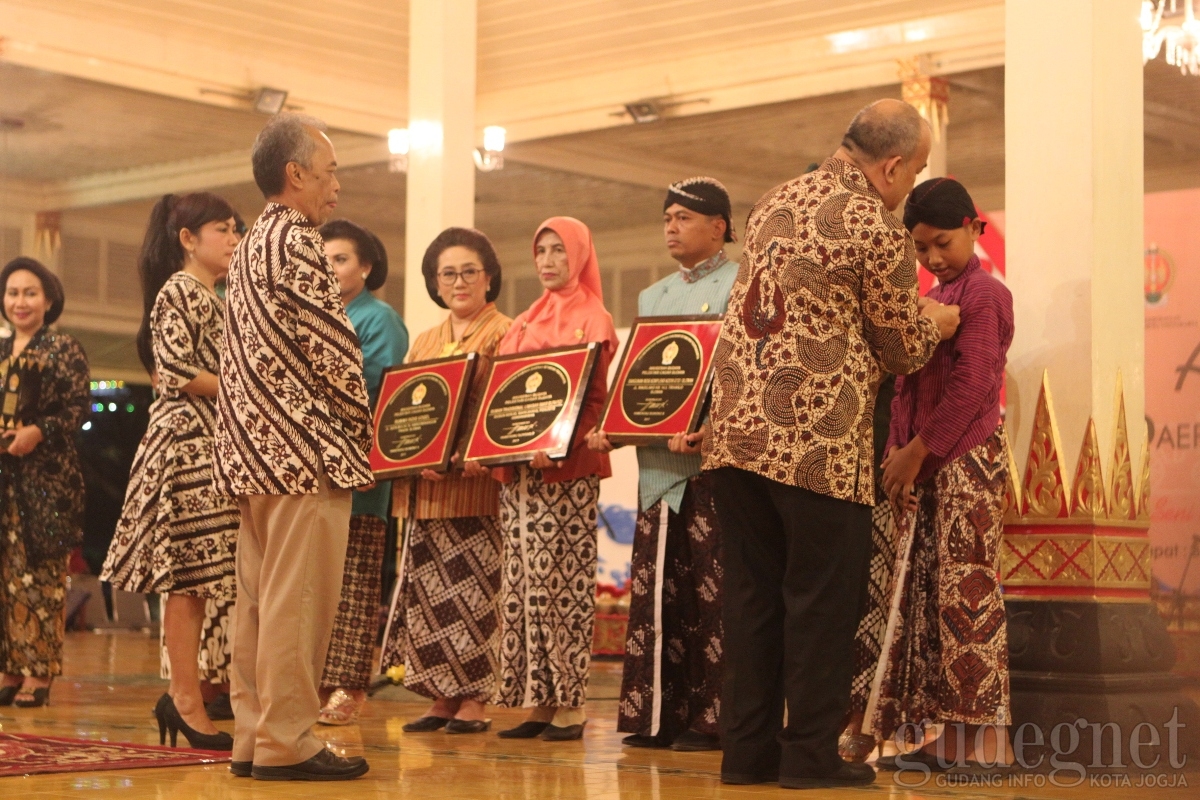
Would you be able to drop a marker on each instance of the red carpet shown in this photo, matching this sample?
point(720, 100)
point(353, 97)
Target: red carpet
point(23, 754)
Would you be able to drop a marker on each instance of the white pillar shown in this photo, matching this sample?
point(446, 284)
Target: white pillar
point(441, 121)
point(1073, 204)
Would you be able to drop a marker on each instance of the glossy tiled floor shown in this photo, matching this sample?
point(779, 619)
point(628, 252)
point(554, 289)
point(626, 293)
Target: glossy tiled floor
point(112, 682)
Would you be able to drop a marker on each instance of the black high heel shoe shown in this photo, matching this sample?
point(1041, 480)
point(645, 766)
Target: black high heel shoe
point(170, 721)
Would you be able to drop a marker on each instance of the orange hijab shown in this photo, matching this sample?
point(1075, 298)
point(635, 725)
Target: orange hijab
point(573, 314)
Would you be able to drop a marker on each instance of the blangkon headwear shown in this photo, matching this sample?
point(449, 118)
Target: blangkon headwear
point(704, 196)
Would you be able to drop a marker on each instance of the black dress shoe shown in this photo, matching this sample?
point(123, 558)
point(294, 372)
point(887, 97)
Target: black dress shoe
point(241, 769)
point(324, 766)
point(641, 740)
point(468, 725)
point(695, 742)
point(220, 708)
point(846, 775)
point(426, 725)
point(7, 693)
point(567, 733)
point(526, 730)
point(746, 779)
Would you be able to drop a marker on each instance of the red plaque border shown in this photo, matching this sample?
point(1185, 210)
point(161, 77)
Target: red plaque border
point(619, 428)
point(481, 449)
point(456, 371)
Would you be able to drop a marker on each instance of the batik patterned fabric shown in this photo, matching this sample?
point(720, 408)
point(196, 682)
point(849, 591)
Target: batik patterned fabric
point(946, 643)
point(293, 402)
point(216, 643)
point(826, 293)
point(176, 534)
point(444, 625)
point(548, 589)
point(352, 643)
point(673, 658)
point(32, 595)
point(868, 640)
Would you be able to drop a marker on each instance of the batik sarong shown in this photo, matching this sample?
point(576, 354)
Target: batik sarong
point(443, 625)
point(356, 626)
point(548, 590)
point(946, 644)
point(672, 676)
point(868, 640)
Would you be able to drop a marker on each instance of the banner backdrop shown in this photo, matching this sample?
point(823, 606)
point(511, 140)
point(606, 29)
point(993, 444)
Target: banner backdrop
point(1172, 290)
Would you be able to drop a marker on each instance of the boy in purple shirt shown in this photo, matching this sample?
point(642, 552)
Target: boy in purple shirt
point(945, 655)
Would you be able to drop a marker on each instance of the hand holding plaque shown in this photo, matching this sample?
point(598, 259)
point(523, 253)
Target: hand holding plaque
point(417, 418)
point(662, 380)
point(531, 404)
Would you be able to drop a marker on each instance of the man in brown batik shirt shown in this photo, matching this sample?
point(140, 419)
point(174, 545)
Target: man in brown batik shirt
point(825, 300)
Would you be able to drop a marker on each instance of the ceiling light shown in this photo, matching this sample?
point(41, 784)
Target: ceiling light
point(492, 156)
point(398, 146)
point(270, 101)
point(643, 111)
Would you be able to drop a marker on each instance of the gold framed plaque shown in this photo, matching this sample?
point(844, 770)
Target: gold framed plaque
point(531, 403)
point(662, 379)
point(418, 415)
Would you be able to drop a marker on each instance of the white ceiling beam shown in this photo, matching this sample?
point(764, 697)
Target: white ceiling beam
point(176, 66)
point(172, 64)
point(749, 76)
point(189, 175)
point(597, 161)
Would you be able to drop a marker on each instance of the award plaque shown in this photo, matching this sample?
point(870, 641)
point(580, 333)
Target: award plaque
point(416, 419)
point(662, 380)
point(531, 403)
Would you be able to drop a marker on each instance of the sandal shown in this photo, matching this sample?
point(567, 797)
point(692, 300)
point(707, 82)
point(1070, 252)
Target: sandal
point(35, 698)
point(342, 709)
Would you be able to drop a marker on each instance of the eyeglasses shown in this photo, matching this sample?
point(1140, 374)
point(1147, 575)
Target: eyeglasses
point(449, 277)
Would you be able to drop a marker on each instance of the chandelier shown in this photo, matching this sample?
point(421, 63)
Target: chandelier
point(1182, 40)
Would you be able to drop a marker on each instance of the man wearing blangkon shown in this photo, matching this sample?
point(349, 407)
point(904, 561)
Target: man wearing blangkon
point(292, 439)
point(825, 300)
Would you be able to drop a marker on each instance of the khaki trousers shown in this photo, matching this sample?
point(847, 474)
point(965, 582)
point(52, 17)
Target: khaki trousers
point(291, 551)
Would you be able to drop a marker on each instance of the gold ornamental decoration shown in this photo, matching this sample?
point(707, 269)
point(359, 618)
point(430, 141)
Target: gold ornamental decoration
point(928, 94)
point(1121, 500)
point(1044, 490)
point(1088, 495)
point(1097, 547)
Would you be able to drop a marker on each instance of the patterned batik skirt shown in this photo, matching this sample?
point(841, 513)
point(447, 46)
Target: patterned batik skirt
point(32, 596)
point(443, 624)
point(946, 645)
point(548, 590)
point(216, 643)
point(176, 535)
point(672, 677)
point(868, 641)
point(351, 656)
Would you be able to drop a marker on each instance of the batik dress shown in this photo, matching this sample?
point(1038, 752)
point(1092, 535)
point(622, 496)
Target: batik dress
point(41, 506)
point(176, 534)
point(673, 646)
point(443, 625)
point(548, 592)
point(384, 341)
point(945, 647)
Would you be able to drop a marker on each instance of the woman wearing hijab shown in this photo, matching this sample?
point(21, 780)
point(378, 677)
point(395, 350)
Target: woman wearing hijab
point(548, 509)
point(945, 654)
point(443, 625)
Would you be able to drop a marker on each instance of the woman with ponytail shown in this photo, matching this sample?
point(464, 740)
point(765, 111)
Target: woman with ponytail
point(176, 536)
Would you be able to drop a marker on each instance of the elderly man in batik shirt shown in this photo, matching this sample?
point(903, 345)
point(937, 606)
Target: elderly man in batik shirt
point(292, 439)
point(670, 692)
point(825, 300)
